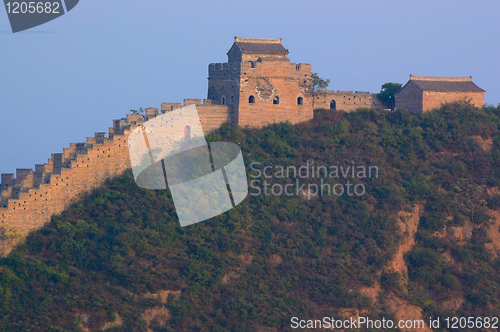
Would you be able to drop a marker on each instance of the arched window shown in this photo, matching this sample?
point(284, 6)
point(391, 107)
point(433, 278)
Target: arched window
point(223, 100)
point(276, 100)
point(300, 101)
point(251, 100)
point(333, 105)
point(187, 132)
point(232, 99)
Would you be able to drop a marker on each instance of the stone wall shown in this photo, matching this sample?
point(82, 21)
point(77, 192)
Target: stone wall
point(224, 86)
point(234, 83)
point(434, 99)
point(267, 80)
point(31, 197)
point(347, 101)
point(417, 101)
point(212, 115)
point(165, 107)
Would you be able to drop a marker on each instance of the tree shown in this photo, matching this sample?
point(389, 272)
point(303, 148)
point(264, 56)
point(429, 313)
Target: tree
point(387, 92)
point(319, 84)
point(140, 111)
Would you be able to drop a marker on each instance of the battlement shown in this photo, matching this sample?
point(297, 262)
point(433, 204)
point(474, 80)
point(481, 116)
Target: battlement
point(224, 69)
point(346, 100)
point(167, 107)
point(302, 67)
point(333, 92)
point(232, 70)
point(195, 102)
point(31, 197)
point(151, 112)
point(212, 113)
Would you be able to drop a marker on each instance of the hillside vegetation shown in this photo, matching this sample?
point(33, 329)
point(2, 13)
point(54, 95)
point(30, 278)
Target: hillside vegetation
point(275, 257)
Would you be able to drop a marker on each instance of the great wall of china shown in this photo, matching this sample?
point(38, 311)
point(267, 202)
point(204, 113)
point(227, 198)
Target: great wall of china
point(30, 198)
point(257, 86)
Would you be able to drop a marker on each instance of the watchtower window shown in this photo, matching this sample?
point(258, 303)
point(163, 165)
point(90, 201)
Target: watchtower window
point(251, 100)
point(276, 100)
point(300, 101)
point(187, 132)
point(232, 99)
point(333, 105)
point(223, 100)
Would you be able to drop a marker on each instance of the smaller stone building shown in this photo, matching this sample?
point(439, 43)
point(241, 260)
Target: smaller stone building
point(424, 93)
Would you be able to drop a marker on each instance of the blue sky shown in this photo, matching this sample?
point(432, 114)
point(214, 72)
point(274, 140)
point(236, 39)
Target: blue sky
point(64, 80)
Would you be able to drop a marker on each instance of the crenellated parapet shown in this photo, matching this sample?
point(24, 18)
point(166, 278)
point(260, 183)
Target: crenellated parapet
point(29, 198)
point(212, 114)
point(347, 101)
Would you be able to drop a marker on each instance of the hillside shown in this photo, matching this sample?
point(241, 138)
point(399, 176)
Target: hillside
point(422, 241)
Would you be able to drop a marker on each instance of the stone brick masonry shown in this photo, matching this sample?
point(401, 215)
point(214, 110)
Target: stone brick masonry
point(260, 85)
point(29, 199)
point(32, 197)
point(424, 93)
point(347, 101)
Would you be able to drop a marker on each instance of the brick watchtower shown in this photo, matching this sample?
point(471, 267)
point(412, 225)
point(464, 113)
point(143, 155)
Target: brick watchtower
point(260, 85)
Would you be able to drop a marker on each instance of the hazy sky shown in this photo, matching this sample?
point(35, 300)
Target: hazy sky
point(64, 80)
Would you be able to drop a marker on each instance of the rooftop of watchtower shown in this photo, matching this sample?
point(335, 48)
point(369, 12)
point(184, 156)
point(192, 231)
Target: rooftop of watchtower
point(260, 45)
